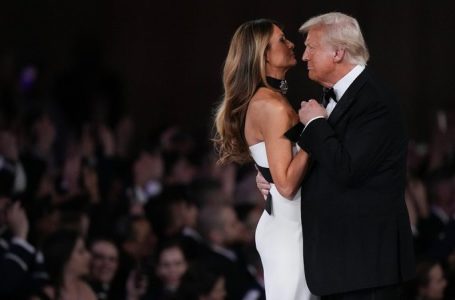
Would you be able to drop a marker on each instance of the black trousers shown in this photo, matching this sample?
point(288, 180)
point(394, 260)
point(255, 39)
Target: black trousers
point(392, 292)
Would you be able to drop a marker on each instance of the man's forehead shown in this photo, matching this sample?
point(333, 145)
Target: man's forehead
point(313, 36)
point(309, 39)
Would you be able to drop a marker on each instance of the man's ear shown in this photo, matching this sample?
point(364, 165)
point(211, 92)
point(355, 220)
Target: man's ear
point(339, 55)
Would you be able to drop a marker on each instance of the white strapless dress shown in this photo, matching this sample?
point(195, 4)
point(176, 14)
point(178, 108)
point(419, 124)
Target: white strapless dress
point(279, 242)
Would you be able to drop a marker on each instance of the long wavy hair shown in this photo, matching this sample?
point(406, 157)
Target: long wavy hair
point(243, 73)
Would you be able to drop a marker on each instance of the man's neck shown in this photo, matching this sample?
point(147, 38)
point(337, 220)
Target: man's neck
point(340, 71)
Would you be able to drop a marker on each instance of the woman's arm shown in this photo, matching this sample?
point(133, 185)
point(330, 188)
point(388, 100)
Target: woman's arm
point(287, 171)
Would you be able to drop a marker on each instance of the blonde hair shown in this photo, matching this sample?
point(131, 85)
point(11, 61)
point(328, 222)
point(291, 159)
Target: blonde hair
point(243, 73)
point(341, 31)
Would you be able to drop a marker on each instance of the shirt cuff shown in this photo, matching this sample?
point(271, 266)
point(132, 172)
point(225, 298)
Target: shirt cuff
point(311, 120)
point(24, 244)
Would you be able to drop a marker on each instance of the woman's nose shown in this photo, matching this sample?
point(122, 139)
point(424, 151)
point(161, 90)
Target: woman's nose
point(291, 45)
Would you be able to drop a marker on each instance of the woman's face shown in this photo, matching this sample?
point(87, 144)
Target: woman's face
point(78, 263)
point(436, 284)
point(280, 53)
point(171, 267)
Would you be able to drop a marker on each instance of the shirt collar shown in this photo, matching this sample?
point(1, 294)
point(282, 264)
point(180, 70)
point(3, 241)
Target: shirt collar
point(225, 252)
point(343, 84)
point(441, 214)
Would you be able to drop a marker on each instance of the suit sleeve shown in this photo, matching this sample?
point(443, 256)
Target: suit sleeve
point(365, 148)
point(15, 263)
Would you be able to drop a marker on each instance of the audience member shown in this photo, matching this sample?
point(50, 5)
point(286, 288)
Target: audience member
point(67, 262)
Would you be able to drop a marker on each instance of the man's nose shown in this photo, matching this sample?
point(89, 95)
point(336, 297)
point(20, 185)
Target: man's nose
point(305, 55)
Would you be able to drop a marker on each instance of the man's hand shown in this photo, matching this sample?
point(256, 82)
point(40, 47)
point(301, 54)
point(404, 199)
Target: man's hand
point(17, 221)
point(310, 110)
point(136, 285)
point(263, 185)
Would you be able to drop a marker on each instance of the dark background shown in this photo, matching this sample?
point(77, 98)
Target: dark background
point(165, 57)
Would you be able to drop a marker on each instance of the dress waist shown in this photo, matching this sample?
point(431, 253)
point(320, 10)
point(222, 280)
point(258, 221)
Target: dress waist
point(283, 208)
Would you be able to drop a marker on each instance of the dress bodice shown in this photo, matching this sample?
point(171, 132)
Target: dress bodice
point(282, 207)
point(259, 153)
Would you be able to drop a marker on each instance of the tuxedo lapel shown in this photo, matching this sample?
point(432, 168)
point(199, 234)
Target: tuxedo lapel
point(348, 98)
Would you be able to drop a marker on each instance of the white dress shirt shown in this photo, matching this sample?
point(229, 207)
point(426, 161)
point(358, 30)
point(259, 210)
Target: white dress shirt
point(340, 88)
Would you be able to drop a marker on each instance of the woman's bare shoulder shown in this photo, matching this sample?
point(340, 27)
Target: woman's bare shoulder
point(267, 100)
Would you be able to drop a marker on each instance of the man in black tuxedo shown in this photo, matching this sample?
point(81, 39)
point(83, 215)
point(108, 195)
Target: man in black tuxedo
point(356, 232)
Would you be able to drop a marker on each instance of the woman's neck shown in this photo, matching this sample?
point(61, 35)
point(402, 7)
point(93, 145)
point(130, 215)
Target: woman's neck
point(276, 73)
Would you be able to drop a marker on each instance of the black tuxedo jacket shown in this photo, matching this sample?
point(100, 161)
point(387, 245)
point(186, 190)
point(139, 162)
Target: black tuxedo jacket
point(355, 224)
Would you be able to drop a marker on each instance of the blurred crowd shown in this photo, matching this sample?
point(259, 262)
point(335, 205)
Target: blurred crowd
point(430, 198)
point(91, 208)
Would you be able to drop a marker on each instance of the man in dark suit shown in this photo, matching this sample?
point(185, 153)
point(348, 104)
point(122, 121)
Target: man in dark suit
point(357, 237)
point(356, 232)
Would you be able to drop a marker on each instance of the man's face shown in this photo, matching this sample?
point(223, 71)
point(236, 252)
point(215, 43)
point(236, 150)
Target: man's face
point(4, 203)
point(104, 261)
point(319, 56)
point(233, 229)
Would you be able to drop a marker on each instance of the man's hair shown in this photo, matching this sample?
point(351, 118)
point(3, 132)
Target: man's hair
point(342, 32)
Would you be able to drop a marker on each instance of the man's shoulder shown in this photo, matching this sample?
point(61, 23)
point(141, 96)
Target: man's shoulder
point(376, 83)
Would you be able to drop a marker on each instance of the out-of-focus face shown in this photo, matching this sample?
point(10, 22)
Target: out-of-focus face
point(444, 192)
point(104, 262)
point(319, 56)
point(4, 202)
point(145, 237)
point(171, 267)
point(280, 52)
point(233, 229)
point(218, 292)
point(182, 172)
point(436, 285)
point(191, 215)
point(45, 130)
point(142, 241)
point(148, 166)
point(78, 263)
point(8, 145)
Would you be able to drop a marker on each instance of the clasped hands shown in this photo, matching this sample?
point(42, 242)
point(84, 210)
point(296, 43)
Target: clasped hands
point(311, 109)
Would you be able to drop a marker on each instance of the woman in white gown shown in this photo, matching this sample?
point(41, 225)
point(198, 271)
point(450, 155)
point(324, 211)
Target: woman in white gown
point(251, 122)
